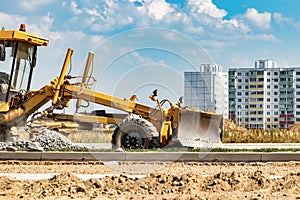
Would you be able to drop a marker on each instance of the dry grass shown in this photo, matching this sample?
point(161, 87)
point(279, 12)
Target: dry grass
point(261, 136)
point(96, 136)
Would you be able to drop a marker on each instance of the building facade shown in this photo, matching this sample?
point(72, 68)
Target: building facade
point(207, 89)
point(264, 97)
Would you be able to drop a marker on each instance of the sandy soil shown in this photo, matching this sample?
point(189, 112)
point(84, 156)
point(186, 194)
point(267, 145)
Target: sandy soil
point(163, 180)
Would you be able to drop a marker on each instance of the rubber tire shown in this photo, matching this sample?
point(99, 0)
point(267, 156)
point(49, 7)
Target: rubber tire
point(135, 127)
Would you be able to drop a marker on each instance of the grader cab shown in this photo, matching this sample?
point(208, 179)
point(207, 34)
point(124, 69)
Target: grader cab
point(142, 127)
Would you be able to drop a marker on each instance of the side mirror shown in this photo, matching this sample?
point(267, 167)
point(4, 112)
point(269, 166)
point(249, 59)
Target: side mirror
point(2, 52)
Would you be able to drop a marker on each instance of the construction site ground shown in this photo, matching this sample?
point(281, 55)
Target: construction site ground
point(162, 180)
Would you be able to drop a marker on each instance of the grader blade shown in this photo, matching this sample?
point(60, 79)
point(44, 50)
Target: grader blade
point(199, 129)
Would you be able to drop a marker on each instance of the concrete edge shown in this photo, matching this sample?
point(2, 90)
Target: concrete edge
point(280, 156)
point(154, 156)
point(21, 156)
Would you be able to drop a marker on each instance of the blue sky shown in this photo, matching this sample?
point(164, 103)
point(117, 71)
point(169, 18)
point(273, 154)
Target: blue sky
point(177, 36)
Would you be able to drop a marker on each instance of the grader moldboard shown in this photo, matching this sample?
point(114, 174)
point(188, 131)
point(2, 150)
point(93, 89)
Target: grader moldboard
point(142, 127)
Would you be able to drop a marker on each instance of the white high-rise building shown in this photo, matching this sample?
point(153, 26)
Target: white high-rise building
point(207, 89)
point(265, 96)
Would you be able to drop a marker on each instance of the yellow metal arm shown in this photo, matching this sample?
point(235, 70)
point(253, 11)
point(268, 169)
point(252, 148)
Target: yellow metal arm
point(77, 92)
point(61, 78)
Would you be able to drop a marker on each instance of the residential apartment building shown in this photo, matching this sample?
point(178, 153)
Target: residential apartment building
point(207, 89)
point(264, 97)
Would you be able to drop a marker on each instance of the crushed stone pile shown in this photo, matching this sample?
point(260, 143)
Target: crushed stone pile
point(45, 140)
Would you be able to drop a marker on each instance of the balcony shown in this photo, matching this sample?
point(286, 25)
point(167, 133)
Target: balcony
point(232, 109)
point(286, 122)
point(286, 116)
point(256, 89)
point(286, 95)
point(232, 116)
point(286, 82)
point(232, 89)
point(255, 109)
point(286, 109)
point(286, 76)
point(256, 83)
point(286, 102)
point(256, 96)
point(286, 89)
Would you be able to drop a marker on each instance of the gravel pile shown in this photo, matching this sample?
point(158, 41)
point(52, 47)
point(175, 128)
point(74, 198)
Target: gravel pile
point(45, 140)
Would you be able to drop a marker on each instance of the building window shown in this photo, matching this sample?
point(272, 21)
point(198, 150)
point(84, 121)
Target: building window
point(275, 106)
point(268, 113)
point(268, 100)
point(268, 106)
point(276, 86)
point(275, 100)
point(260, 73)
point(275, 119)
point(261, 79)
point(275, 73)
point(268, 86)
point(275, 113)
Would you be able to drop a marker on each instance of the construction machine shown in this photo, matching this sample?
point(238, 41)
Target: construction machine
point(142, 127)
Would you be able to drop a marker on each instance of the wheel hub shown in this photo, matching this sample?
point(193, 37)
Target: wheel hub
point(132, 140)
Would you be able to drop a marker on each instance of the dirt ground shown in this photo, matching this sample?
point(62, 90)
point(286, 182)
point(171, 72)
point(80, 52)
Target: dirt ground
point(162, 181)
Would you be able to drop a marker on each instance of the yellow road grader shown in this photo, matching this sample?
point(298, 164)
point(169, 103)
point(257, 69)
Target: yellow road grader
point(142, 127)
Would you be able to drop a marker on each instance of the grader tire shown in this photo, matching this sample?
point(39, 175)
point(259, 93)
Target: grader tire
point(135, 133)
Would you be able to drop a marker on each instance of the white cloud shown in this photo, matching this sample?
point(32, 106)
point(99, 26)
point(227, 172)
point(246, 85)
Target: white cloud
point(264, 37)
point(93, 12)
point(11, 21)
point(158, 9)
point(240, 60)
point(33, 4)
point(63, 4)
point(206, 7)
point(233, 25)
point(74, 8)
point(96, 39)
point(214, 43)
point(261, 20)
point(196, 30)
point(286, 20)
